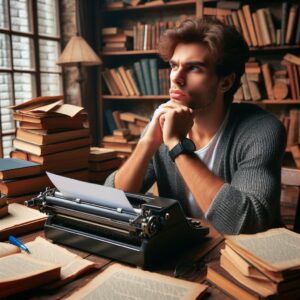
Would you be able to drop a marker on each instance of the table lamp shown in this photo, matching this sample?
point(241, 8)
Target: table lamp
point(78, 53)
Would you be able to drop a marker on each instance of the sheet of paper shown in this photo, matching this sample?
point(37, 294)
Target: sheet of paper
point(94, 193)
point(69, 110)
point(120, 282)
point(71, 264)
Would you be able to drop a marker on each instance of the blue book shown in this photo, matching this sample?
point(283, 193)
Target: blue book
point(140, 78)
point(154, 75)
point(147, 76)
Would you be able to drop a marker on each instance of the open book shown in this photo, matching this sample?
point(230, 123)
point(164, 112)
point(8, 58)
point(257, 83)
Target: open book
point(275, 250)
point(120, 282)
point(46, 264)
point(20, 272)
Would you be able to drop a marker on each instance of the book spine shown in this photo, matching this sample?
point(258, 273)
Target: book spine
point(292, 81)
point(139, 75)
point(249, 22)
point(131, 78)
point(297, 35)
point(291, 25)
point(146, 75)
point(257, 29)
point(270, 25)
point(284, 17)
point(268, 80)
point(154, 75)
point(262, 21)
point(244, 27)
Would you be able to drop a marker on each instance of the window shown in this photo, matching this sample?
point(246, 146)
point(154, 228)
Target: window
point(30, 42)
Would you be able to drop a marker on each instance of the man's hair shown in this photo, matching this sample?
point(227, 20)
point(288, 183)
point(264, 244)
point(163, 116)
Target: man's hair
point(226, 45)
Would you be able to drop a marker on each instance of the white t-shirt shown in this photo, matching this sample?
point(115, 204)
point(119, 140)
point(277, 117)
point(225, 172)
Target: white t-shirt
point(207, 154)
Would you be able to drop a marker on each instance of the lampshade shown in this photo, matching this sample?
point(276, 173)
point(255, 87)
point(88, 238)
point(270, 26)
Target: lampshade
point(78, 51)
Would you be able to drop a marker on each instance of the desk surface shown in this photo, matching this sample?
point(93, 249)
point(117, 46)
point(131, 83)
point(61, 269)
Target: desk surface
point(207, 251)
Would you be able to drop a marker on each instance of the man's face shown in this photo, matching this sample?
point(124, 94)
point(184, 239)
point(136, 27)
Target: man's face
point(194, 82)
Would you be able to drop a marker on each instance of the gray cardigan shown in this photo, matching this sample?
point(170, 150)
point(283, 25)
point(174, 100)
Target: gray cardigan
point(248, 159)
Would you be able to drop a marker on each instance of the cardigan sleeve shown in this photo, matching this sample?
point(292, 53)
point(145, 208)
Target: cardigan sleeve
point(251, 201)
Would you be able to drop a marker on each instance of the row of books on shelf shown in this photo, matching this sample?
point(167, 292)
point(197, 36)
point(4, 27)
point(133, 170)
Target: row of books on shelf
point(144, 78)
point(143, 36)
point(258, 27)
point(261, 81)
point(259, 266)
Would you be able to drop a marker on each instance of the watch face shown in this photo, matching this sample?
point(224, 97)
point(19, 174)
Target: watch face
point(188, 145)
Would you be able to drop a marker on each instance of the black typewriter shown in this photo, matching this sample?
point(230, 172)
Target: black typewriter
point(157, 227)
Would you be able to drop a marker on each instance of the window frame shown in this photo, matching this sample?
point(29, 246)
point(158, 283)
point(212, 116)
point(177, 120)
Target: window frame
point(35, 36)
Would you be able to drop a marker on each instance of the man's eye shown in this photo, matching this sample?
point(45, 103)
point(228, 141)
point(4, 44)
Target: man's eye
point(194, 68)
point(172, 66)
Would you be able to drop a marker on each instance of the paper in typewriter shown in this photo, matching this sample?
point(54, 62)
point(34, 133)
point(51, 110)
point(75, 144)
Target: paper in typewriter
point(275, 249)
point(119, 282)
point(93, 193)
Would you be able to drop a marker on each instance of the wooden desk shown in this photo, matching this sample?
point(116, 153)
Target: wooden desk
point(207, 251)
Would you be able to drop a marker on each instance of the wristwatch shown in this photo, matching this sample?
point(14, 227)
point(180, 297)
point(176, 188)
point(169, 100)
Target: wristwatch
point(184, 146)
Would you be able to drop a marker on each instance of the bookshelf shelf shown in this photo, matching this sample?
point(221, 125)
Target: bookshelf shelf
point(167, 97)
point(151, 52)
point(272, 102)
point(130, 52)
point(167, 5)
point(148, 97)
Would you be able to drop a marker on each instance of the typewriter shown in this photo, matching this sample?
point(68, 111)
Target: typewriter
point(154, 229)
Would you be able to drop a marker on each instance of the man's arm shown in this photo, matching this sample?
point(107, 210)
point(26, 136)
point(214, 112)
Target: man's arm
point(130, 176)
point(250, 202)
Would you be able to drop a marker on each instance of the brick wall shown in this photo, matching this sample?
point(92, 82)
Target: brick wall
point(69, 29)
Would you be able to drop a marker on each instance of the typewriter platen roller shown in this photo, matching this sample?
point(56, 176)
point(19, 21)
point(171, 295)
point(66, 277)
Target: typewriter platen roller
point(157, 227)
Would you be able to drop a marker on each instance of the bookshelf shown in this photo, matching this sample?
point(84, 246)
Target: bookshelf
point(127, 17)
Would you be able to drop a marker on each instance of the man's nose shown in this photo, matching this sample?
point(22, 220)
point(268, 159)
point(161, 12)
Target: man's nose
point(179, 77)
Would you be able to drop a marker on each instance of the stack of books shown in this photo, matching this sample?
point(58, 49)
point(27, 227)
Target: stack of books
point(102, 162)
point(3, 207)
point(122, 141)
point(259, 266)
point(20, 180)
point(52, 134)
point(116, 39)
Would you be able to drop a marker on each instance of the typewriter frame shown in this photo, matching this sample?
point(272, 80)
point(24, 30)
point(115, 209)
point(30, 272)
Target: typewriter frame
point(158, 227)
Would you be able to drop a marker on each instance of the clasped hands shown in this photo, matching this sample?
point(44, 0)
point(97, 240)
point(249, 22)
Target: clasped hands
point(171, 122)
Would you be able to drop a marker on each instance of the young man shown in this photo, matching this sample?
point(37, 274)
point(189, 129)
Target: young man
point(220, 160)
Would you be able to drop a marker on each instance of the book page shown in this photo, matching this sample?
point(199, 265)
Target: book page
point(69, 110)
point(276, 249)
point(20, 214)
point(7, 249)
point(120, 282)
point(16, 266)
point(71, 264)
point(48, 107)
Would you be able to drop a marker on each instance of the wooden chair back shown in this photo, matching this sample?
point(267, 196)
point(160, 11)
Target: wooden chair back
point(291, 177)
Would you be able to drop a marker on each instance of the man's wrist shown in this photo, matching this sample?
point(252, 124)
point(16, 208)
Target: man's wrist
point(148, 144)
point(172, 143)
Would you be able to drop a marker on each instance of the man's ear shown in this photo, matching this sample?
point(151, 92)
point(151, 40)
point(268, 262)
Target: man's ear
point(227, 82)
